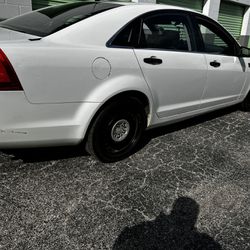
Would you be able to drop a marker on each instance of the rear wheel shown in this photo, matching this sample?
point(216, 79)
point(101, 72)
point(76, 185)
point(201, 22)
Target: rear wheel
point(245, 105)
point(117, 130)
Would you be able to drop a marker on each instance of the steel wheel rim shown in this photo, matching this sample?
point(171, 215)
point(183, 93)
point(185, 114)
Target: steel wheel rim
point(120, 130)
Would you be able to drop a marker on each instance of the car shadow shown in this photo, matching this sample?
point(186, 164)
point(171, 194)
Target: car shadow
point(31, 155)
point(59, 153)
point(164, 130)
point(174, 231)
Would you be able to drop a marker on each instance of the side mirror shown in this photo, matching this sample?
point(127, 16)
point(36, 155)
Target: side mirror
point(244, 52)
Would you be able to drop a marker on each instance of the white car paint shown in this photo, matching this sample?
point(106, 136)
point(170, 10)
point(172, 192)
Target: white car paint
point(61, 69)
point(176, 88)
point(224, 84)
point(111, 22)
point(27, 125)
point(64, 87)
point(11, 35)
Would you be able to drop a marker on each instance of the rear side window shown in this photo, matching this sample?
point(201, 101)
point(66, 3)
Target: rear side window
point(52, 19)
point(166, 32)
point(126, 38)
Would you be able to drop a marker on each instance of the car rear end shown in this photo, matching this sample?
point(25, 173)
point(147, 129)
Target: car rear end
point(26, 124)
point(23, 121)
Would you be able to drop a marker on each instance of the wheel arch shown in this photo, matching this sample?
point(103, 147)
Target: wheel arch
point(140, 96)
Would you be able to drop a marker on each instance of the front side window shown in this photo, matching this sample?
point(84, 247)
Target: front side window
point(165, 32)
point(213, 40)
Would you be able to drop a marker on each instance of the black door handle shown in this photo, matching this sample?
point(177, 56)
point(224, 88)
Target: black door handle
point(153, 60)
point(215, 64)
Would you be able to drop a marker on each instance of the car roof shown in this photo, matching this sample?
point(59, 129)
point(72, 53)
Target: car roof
point(160, 5)
point(100, 28)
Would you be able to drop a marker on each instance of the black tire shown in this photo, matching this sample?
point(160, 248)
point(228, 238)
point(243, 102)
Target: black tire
point(128, 117)
point(245, 105)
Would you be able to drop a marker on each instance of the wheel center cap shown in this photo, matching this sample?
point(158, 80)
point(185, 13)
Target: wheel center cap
point(120, 130)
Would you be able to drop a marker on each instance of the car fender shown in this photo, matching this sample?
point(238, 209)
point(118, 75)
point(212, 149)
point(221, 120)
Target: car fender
point(119, 85)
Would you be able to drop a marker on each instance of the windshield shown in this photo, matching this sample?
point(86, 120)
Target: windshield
point(49, 20)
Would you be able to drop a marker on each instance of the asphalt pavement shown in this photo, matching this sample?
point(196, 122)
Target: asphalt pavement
point(187, 187)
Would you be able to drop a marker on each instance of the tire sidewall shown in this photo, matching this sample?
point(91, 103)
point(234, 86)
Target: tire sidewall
point(103, 146)
point(245, 105)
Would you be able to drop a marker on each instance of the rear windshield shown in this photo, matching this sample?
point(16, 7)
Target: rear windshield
point(49, 20)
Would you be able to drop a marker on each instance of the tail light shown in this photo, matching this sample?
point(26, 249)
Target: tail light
point(8, 78)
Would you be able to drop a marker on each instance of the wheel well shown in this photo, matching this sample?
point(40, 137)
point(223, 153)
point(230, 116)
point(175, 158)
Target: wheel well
point(134, 94)
point(139, 96)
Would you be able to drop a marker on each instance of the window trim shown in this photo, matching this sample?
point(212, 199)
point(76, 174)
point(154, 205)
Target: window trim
point(194, 32)
point(135, 27)
point(138, 26)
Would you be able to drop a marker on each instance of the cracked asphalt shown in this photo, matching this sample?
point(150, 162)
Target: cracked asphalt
point(187, 187)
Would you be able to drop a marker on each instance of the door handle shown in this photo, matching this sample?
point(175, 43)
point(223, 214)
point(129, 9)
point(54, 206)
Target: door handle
point(215, 64)
point(152, 60)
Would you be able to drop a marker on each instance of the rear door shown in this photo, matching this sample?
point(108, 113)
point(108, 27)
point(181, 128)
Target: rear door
point(226, 72)
point(175, 74)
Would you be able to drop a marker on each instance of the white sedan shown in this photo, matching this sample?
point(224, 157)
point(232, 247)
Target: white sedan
point(105, 72)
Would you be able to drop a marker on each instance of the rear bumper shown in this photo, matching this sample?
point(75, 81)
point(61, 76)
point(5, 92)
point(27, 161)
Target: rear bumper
point(23, 124)
point(38, 137)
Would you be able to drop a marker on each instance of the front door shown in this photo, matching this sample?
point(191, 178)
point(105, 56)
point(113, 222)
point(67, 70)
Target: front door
point(226, 72)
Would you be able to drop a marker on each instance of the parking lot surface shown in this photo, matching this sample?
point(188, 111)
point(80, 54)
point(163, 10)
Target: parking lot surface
point(187, 187)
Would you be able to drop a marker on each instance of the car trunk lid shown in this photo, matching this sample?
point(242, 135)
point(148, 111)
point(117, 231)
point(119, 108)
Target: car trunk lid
point(12, 35)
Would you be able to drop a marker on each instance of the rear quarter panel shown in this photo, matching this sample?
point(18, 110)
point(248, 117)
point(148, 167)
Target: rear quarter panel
point(52, 73)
